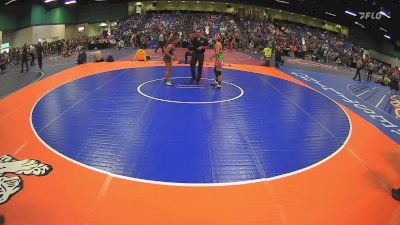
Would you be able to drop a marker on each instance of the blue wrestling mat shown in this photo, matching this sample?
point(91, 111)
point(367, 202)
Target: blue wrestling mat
point(129, 123)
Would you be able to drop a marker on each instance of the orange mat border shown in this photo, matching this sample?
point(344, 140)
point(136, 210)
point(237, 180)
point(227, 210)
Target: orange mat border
point(352, 188)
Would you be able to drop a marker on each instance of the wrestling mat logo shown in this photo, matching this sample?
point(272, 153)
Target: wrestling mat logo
point(11, 185)
point(395, 102)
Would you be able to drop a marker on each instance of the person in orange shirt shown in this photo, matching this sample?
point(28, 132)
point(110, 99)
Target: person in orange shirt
point(140, 55)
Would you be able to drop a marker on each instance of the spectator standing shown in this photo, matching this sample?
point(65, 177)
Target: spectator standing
point(359, 66)
point(40, 54)
point(24, 58)
point(32, 54)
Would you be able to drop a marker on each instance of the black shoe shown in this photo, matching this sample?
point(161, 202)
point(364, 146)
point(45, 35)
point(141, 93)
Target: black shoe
point(396, 194)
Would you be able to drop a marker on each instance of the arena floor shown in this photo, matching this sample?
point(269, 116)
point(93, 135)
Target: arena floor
point(109, 144)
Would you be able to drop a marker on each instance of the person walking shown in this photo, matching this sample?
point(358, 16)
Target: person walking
point(160, 42)
point(32, 54)
point(359, 66)
point(40, 54)
point(24, 58)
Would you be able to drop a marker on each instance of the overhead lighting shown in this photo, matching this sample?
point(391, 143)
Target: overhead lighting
point(359, 24)
point(183, 1)
point(382, 12)
point(331, 14)
point(69, 2)
point(386, 36)
point(227, 3)
point(9, 2)
point(212, 2)
point(350, 13)
point(48, 1)
point(284, 2)
point(102, 24)
point(382, 29)
point(198, 1)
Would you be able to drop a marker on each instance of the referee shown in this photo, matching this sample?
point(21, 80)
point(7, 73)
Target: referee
point(199, 45)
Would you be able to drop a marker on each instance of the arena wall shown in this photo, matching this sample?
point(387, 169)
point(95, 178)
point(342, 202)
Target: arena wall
point(22, 36)
point(48, 32)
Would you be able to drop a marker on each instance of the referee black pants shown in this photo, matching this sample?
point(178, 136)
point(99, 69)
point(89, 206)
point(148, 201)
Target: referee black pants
point(197, 56)
point(40, 61)
point(357, 74)
point(24, 61)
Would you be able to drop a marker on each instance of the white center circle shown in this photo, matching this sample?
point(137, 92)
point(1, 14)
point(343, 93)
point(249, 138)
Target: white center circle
point(139, 89)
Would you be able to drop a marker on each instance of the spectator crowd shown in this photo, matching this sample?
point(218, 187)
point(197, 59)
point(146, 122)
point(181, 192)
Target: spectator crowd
point(251, 35)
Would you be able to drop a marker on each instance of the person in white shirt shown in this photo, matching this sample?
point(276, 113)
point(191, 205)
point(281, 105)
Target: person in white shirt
point(370, 70)
point(32, 54)
point(121, 44)
point(359, 67)
point(160, 42)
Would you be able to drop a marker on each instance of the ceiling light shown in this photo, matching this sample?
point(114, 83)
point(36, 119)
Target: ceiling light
point(386, 36)
point(9, 2)
point(350, 13)
point(284, 2)
point(359, 24)
point(382, 29)
point(382, 12)
point(68, 2)
point(331, 14)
